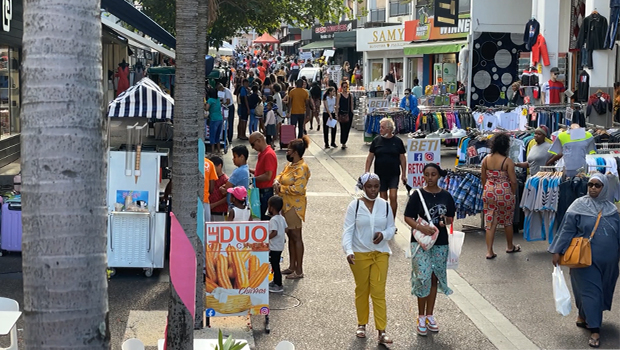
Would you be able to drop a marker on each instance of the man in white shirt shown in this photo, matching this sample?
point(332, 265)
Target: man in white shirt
point(226, 98)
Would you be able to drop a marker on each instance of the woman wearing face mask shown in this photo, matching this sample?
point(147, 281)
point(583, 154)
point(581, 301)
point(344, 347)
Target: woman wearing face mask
point(291, 185)
point(429, 266)
point(593, 286)
point(368, 226)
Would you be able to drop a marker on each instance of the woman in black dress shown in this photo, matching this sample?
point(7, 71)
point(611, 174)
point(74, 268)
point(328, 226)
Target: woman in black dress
point(344, 106)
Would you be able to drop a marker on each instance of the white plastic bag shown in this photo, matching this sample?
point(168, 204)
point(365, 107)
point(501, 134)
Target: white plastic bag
point(455, 239)
point(560, 292)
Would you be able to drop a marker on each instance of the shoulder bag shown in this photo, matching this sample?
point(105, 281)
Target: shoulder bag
point(425, 241)
point(579, 253)
point(343, 117)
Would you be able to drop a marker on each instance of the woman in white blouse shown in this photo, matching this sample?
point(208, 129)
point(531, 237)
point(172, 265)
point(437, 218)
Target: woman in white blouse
point(368, 226)
point(329, 112)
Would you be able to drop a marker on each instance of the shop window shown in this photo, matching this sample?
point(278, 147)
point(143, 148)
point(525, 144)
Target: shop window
point(376, 70)
point(414, 70)
point(9, 91)
point(398, 8)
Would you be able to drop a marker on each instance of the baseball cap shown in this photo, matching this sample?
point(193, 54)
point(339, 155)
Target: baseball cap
point(239, 192)
point(555, 70)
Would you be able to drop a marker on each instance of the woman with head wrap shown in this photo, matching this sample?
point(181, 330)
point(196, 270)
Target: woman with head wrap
point(593, 286)
point(368, 226)
point(428, 267)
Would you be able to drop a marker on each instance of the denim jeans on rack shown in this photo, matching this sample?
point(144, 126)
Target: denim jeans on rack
point(610, 37)
point(586, 58)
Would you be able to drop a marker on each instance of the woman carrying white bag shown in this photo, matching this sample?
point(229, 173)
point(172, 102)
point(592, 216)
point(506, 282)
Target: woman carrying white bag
point(428, 273)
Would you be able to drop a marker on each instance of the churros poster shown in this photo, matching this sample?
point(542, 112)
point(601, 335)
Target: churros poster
point(237, 268)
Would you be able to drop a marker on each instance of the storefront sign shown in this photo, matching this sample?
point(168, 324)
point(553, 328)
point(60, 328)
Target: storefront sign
point(326, 32)
point(237, 268)
point(419, 153)
point(424, 28)
point(384, 38)
point(446, 13)
point(377, 102)
point(7, 15)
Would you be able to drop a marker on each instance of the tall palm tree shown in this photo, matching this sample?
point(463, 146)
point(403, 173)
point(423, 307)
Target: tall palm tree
point(185, 172)
point(64, 177)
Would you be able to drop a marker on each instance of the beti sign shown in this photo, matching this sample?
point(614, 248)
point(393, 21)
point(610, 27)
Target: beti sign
point(384, 38)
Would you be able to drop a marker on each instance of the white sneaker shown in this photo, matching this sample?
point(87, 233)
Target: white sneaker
point(458, 133)
point(431, 323)
point(422, 330)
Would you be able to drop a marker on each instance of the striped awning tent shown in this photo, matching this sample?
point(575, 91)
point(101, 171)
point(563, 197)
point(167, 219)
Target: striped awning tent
point(145, 100)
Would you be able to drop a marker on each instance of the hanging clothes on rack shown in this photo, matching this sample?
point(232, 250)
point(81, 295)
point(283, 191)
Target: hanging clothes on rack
point(539, 203)
point(465, 186)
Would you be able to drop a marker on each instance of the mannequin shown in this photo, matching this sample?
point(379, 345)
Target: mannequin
point(552, 91)
point(123, 77)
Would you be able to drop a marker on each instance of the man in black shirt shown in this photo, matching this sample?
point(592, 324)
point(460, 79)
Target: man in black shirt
point(388, 152)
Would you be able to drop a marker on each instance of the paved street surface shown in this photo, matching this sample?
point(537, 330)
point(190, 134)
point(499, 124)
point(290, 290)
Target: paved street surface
point(506, 303)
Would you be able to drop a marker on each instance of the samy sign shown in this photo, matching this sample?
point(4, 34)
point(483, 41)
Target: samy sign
point(384, 38)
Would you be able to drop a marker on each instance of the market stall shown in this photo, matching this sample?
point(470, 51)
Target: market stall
point(136, 224)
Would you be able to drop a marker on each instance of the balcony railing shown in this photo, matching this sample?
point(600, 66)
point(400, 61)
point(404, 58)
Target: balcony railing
point(377, 15)
point(399, 9)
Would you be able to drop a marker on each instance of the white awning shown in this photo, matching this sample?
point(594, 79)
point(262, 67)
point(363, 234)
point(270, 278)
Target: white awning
point(131, 36)
point(145, 99)
point(289, 43)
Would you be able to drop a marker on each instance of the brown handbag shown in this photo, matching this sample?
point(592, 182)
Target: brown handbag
point(579, 253)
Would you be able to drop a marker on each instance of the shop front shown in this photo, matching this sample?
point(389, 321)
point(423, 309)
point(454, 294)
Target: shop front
point(383, 53)
point(433, 54)
point(10, 82)
point(323, 38)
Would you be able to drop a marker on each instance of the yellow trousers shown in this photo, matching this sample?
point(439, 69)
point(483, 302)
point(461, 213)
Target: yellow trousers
point(370, 274)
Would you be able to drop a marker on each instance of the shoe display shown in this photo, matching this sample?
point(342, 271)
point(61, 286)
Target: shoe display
point(431, 323)
point(458, 133)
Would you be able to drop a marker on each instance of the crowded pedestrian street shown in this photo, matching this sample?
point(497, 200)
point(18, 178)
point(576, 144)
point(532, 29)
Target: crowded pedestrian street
point(504, 303)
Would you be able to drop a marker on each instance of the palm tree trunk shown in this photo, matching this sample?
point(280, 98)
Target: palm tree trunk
point(201, 33)
point(185, 172)
point(64, 177)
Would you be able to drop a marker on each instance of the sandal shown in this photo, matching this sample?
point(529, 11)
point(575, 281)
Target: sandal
point(594, 342)
point(515, 249)
point(360, 332)
point(384, 339)
point(287, 272)
point(492, 257)
point(294, 276)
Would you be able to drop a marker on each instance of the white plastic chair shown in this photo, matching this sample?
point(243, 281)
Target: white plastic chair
point(7, 304)
point(285, 345)
point(133, 344)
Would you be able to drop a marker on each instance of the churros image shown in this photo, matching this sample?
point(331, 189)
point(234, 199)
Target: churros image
point(210, 285)
point(222, 272)
point(259, 276)
point(253, 265)
point(245, 254)
point(241, 272)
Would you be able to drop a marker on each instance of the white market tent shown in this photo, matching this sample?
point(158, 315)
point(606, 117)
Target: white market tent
point(144, 100)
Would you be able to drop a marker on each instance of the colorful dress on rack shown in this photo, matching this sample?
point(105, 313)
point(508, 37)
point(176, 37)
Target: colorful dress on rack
point(499, 201)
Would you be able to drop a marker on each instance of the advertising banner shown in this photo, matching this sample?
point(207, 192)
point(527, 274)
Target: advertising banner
point(424, 28)
point(237, 268)
point(419, 153)
point(377, 102)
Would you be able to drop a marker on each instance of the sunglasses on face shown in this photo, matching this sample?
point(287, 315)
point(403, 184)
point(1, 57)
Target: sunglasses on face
point(594, 184)
point(406, 94)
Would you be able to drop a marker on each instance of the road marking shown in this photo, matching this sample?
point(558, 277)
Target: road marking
point(492, 323)
point(148, 326)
